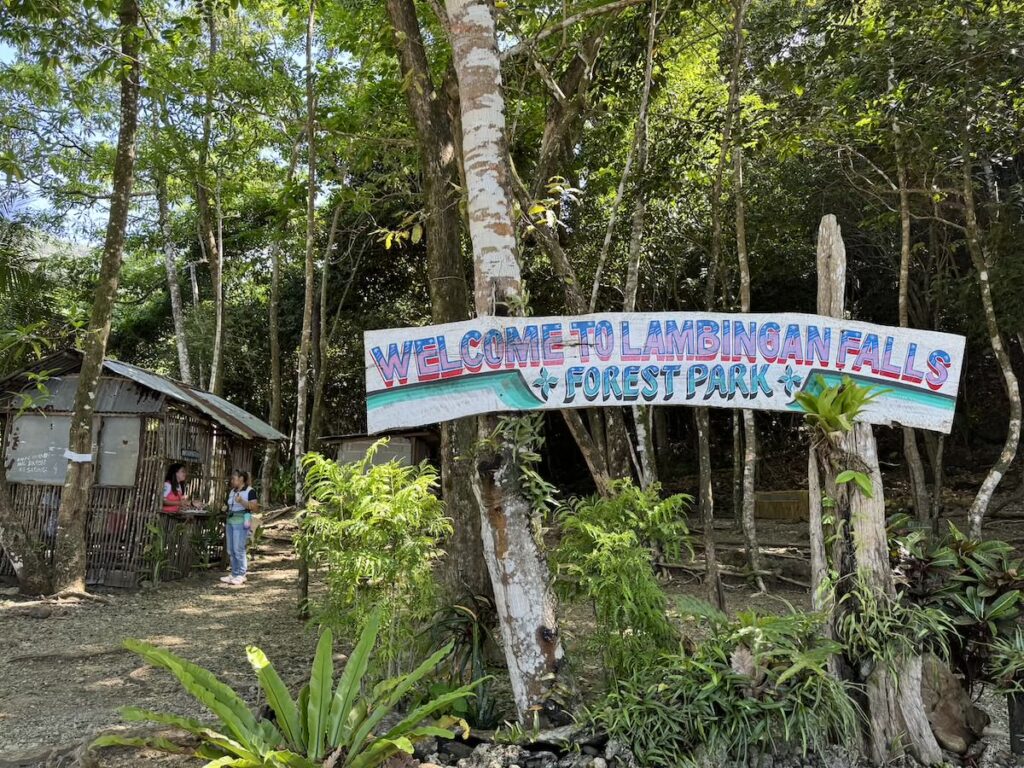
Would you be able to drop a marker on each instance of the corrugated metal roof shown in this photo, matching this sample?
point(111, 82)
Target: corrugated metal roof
point(236, 419)
point(62, 368)
point(114, 395)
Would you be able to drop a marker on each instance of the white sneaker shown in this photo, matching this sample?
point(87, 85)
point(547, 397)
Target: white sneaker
point(227, 579)
point(237, 581)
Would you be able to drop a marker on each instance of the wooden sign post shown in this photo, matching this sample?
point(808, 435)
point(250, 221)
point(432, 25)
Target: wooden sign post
point(860, 554)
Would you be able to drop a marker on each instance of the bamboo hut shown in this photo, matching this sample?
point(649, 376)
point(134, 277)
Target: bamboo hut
point(143, 423)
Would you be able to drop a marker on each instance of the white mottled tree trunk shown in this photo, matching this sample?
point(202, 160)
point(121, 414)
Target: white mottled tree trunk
point(177, 311)
point(749, 427)
point(976, 515)
point(525, 603)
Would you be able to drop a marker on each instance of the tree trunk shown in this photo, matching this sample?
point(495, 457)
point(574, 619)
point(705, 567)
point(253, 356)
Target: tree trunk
point(895, 713)
point(737, 468)
point(976, 514)
point(211, 243)
point(915, 467)
point(642, 414)
point(519, 574)
point(70, 551)
point(749, 427)
point(306, 341)
point(326, 336)
point(270, 457)
point(706, 505)
point(464, 569)
point(173, 287)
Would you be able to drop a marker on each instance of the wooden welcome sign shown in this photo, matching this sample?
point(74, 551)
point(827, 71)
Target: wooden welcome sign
point(423, 375)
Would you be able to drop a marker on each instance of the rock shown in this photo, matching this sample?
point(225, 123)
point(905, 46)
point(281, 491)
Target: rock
point(455, 749)
point(541, 760)
point(423, 748)
point(956, 722)
point(619, 755)
point(599, 762)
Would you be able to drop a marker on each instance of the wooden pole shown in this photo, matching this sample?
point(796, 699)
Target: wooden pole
point(895, 713)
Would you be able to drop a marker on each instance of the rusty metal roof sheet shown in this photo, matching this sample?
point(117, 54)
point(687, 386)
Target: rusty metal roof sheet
point(236, 419)
point(60, 365)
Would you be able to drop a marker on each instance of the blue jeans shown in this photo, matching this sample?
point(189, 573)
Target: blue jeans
point(237, 538)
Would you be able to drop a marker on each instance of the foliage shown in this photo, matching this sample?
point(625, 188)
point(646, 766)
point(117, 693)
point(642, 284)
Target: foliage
point(876, 629)
point(977, 585)
point(324, 721)
point(375, 530)
point(832, 408)
point(155, 552)
point(467, 626)
point(606, 557)
point(753, 685)
point(1006, 663)
point(523, 436)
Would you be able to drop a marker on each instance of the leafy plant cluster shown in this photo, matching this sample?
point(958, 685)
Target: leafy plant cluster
point(606, 558)
point(375, 531)
point(324, 725)
point(832, 408)
point(755, 684)
point(466, 625)
point(977, 585)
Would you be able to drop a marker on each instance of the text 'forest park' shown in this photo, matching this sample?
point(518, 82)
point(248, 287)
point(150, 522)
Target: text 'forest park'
point(726, 358)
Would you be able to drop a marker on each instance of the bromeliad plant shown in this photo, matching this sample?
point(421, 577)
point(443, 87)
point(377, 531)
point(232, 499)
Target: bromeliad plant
point(326, 725)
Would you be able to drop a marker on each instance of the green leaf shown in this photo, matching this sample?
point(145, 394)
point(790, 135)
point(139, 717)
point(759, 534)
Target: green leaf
point(351, 679)
point(381, 711)
point(277, 695)
point(155, 743)
point(321, 682)
point(218, 697)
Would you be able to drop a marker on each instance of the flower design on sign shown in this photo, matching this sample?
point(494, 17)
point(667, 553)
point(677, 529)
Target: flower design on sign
point(790, 380)
point(545, 382)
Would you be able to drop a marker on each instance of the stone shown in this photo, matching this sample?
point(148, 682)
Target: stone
point(954, 719)
point(455, 749)
point(599, 762)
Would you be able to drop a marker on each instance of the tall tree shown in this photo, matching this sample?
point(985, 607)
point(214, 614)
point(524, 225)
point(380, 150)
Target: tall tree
point(749, 427)
point(435, 118)
point(309, 272)
point(70, 550)
point(173, 287)
point(525, 603)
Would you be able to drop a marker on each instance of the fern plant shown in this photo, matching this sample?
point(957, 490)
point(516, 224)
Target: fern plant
point(375, 531)
point(325, 725)
point(606, 557)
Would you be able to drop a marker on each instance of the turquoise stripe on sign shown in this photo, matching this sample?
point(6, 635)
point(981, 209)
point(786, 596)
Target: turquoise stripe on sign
point(507, 386)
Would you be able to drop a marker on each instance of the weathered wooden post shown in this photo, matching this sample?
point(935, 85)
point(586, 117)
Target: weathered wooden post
point(894, 711)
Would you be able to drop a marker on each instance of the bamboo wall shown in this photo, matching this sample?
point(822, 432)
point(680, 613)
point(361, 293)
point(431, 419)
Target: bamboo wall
point(129, 539)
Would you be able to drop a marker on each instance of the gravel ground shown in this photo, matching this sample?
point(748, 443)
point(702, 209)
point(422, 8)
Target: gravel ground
point(64, 676)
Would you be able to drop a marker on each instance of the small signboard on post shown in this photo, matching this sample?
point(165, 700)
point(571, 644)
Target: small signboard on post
point(422, 375)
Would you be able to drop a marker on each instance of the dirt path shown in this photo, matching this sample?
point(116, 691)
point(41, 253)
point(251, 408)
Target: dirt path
point(63, 677)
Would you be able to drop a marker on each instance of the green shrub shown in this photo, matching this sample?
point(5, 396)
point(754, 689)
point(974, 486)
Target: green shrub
point(466, 625)
point(375, 532)
point(977, 585)
point(324, 722)
point(606, 558)
point(759, 684)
